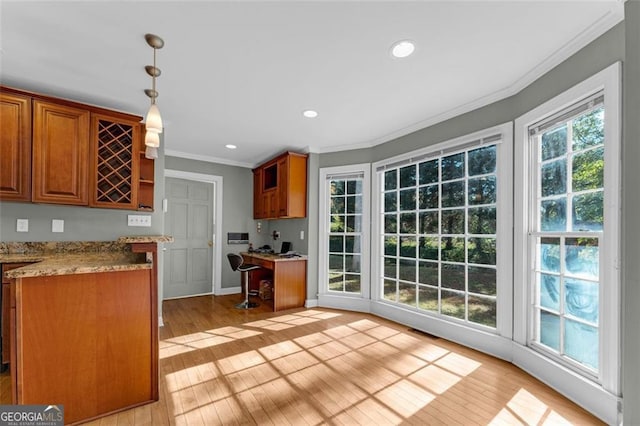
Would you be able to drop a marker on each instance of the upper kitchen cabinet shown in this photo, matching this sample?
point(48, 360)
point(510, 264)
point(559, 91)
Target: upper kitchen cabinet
point(114, 153)
point(280, 187)
point(60, 154)
point(15, 147)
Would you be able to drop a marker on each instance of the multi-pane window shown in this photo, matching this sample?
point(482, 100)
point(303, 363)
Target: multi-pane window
point(345, 234)
point(567, 232)
point(438, 233)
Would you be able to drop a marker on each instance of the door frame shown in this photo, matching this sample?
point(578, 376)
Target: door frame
point(217, 183)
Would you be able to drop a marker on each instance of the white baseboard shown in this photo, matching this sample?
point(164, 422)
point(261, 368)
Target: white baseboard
point(229, 290)
point(583, 392)
point(356, 304)
point(311, 303)
point(483, 341)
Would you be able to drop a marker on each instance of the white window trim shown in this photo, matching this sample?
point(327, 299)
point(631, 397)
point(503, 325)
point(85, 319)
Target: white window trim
point(355, 302)
point(585, 392)
point(496, 343)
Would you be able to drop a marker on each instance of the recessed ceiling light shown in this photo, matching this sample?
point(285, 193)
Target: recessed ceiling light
point(403, 48)
point(309, 113)
point(230, 146)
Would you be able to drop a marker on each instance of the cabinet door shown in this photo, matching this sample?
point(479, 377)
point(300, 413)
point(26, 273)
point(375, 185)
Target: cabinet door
point(114, 157)
point(283, 187)
point(60, 154)
point(258, 209)
point(15, 147)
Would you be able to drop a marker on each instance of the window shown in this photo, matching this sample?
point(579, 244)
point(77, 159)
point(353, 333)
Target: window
point(439, 227)
point(567, 233)
point(567, 239)
point(345, 234)
point(344, 229)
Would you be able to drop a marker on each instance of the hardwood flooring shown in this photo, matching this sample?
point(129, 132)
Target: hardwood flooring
point(222, 366)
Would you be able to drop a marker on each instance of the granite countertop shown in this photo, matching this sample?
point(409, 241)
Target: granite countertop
point(77, 257)
point(66, 264)
point(132, 239)
point(271, 257)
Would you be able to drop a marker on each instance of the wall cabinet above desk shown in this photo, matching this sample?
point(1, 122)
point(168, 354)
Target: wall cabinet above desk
point(280, 187)
point(62, 152)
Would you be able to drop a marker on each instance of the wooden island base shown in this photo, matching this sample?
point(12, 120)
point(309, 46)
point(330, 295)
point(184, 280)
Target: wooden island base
point(86, 341)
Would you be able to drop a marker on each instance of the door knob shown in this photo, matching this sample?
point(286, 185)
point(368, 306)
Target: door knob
point(210, 243)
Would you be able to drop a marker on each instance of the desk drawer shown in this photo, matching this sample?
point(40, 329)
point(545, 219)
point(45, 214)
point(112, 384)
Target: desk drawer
point(260, 262)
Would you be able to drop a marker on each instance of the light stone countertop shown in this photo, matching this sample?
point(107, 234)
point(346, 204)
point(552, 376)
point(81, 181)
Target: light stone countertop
point(132, 239)
point(273, 257)
point(76, 263)
point(78, 257)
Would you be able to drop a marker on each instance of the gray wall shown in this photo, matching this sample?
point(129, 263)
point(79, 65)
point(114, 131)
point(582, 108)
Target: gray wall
point(237, 207)
point(621, 43)
point(237, 214)
point(630, 223)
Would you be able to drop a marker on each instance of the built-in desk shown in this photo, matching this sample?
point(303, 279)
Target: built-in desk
point(288, 275)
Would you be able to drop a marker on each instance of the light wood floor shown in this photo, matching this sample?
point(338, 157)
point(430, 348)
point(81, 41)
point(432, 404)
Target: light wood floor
point(219, 365)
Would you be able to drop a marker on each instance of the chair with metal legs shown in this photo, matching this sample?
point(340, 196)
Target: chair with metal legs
point(237, 264)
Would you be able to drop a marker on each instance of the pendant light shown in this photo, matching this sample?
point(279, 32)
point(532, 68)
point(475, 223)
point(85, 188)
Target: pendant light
point(153, 121)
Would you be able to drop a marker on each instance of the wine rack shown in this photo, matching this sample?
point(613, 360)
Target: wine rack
point(116, 159)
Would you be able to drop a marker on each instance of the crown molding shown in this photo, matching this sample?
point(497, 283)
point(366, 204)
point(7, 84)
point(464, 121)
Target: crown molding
point(599, 27)
point(206, 158)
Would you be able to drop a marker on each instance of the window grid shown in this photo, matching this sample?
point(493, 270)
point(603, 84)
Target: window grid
point(345, 235)
point(438, 291)
point(566, 318)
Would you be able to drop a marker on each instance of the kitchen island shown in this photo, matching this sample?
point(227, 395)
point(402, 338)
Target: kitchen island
point(84, 328)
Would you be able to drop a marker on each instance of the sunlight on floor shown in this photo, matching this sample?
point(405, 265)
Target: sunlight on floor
point(525, 408)
point(415, 371)
point(203, 339)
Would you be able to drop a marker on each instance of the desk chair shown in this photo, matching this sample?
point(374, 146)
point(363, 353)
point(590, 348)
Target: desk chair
point(237, 264)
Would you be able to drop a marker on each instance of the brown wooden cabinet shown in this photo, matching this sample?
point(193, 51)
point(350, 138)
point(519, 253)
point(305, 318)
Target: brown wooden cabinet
point(87, 341)
point(146, 178)
point(62, 152)
point(7, 305)
point(257, 196)
point(280, 187)
point(288, 277)
point(114, 154)
point(15, 147)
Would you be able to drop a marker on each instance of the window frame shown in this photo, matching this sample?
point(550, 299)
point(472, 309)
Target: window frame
point(504, 286)
point(568, 378)
point(332, 298)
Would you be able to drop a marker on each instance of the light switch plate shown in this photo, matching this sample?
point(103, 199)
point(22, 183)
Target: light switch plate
point(22, 225)
point(57, 225)
point(139, 220)
point(302, 235)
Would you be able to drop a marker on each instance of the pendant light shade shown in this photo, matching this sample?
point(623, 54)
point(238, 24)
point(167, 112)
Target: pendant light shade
point(152, 139)
point(153, 121)
point(151, 152)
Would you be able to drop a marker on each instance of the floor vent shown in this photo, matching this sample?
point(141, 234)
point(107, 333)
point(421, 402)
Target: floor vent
point(424, 333)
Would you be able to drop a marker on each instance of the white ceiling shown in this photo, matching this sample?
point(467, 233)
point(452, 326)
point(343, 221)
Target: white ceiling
point(242, 72)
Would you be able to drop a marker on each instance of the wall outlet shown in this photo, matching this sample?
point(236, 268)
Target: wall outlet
point(57, 225)
point(138, 220)
point(22, 225)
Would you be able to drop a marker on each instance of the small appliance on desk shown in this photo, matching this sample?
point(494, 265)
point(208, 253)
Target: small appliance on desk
point(286, 247)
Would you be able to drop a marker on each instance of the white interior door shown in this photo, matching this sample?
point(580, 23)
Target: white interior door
point(188, 262)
